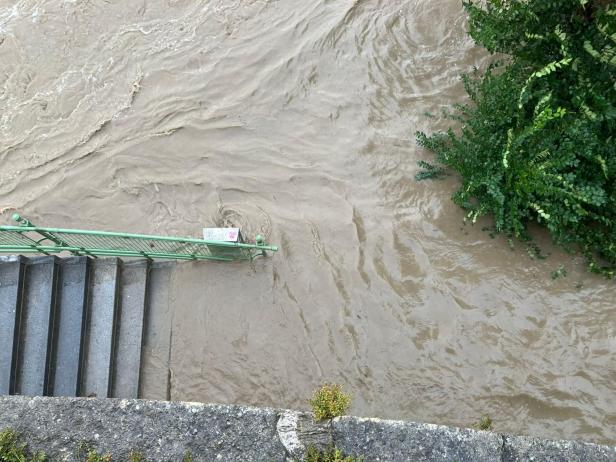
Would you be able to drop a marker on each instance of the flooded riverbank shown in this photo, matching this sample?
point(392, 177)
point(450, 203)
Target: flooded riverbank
point(296, 119)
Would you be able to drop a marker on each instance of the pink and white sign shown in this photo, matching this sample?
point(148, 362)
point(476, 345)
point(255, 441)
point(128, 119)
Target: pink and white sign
point(221, 234)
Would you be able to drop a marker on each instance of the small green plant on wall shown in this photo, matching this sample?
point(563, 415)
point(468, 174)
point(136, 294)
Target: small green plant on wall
point(331, 455)
point(86, 453)
point(329, 401)
point(485, 423)
point(11, 450)
point(135, 456)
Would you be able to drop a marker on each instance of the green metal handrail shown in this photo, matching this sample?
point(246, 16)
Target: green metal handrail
point(28, 238)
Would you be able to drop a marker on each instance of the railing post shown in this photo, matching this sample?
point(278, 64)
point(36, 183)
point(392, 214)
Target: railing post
point(22, 221)
point(259, 240)
point(28, 224)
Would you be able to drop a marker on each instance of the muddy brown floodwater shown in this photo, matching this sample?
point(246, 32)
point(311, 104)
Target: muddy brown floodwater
point(296, 118)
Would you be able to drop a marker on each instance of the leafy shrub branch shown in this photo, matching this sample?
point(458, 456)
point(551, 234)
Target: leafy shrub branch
point(537, 141)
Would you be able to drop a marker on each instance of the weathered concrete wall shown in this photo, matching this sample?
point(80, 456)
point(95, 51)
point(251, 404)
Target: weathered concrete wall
point(165, 430)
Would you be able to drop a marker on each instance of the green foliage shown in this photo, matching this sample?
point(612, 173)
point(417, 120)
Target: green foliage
point(134, 456)
point(11, 450)
point(93, 456)
point(329, 401)
point(86, 453)
point(485, 423)
point(429, 171)
point(536, 142)
point(331, 455)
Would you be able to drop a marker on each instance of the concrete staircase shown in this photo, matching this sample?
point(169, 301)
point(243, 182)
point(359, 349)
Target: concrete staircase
point(73, 326)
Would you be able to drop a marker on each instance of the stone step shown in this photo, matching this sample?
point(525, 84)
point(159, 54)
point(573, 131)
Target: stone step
point(11, 291)
point(127, 363)
point(157, 335)
point(37, 326)
point(101, 328)
point(79, 326)
point(71, 311)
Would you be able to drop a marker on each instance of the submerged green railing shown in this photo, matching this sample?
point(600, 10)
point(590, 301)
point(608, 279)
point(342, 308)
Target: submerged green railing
point(28, 238)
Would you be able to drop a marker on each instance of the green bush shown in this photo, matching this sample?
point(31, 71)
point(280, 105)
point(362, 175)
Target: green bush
point(329, 401)
point(536, 142)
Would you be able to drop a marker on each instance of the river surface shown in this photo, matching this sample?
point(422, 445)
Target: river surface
point(296, 118)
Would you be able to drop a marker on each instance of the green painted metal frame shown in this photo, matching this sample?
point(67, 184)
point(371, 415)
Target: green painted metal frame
point(28, 238)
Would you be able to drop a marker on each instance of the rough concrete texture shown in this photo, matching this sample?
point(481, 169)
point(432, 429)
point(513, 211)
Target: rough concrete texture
point(523, 448)
point(166, 430)
point(160, 430)
point(397, 441)
point(298, 431)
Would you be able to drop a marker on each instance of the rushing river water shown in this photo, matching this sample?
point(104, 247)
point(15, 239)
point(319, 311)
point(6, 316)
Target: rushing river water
point(297, 118)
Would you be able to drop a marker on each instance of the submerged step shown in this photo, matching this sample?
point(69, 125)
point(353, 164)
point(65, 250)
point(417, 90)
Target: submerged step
point(36, 332)
point(127, 363)
point(155, 378)
point(101, 328)
point(73, 283)
point(11, 289)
